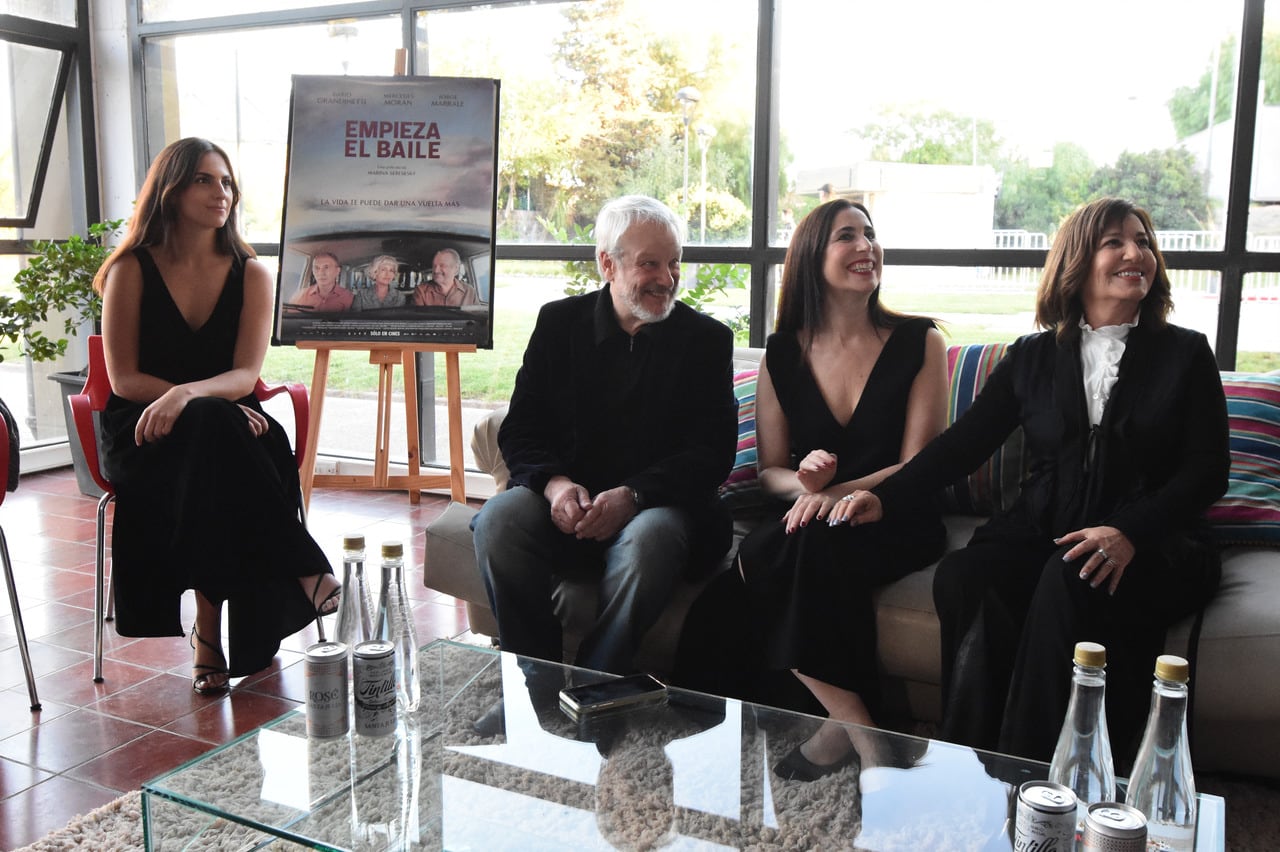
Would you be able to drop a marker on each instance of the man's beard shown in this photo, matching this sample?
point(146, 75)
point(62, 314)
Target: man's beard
point(642, 313)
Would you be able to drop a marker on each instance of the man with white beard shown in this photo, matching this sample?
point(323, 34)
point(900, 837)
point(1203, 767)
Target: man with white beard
point(621, 427)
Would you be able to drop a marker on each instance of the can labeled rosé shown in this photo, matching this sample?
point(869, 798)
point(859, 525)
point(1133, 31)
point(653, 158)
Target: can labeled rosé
point(327, 690)
point(1046, 818)
point(375, 688)
point(1113, 827)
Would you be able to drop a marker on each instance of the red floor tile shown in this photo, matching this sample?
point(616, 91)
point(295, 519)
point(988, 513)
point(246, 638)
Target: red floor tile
point(163, 653)
point(238, 713)
point(289, 683)
point(51, 617)
point(438, 621)
point(155, 702)
point(16, 777)
point(16, 714)
point(46, 660)
point(75, 685)
point(46, 584)
point(34, 812)
point(127, 767)
point(69, 740)
point(80, 638)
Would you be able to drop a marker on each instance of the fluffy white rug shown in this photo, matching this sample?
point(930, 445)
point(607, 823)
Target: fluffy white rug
point(114, 827)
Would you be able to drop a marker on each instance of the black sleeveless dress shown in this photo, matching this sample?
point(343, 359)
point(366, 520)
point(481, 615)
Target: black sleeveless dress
point(810, 593)
point(210, 507)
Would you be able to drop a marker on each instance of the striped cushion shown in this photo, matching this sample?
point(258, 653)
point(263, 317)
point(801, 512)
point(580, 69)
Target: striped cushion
point(1249, 513)
point(742, 488)
point(994, 485)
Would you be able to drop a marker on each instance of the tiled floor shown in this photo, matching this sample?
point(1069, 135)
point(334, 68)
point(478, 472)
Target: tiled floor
point(91, 742)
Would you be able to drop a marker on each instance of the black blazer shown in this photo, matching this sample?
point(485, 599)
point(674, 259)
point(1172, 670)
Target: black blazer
point(1151, 468)
point(682, 443)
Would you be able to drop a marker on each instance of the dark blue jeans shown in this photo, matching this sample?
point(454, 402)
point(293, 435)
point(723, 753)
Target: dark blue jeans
point(523, 556)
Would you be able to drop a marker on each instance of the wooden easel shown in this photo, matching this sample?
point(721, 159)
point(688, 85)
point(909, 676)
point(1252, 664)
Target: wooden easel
point(386, 356)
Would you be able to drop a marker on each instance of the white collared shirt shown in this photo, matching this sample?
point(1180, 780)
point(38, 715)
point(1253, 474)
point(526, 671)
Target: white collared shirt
point(1100, 352)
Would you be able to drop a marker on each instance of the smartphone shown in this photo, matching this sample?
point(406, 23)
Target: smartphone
point(608, 695)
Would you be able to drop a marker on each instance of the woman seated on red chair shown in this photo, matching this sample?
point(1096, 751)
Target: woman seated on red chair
point(207, 487)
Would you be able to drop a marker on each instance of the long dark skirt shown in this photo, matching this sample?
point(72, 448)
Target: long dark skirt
point(211, 507)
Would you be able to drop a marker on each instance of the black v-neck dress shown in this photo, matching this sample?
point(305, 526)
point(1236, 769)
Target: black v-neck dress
point(210, 507)
point(811, 592)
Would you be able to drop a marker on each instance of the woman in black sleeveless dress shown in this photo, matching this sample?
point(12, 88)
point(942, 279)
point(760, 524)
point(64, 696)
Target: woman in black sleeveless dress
point(848, 391)
point(206, 484)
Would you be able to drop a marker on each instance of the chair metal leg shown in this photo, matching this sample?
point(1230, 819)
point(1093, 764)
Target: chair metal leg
point(17, 622)
point(99, 586)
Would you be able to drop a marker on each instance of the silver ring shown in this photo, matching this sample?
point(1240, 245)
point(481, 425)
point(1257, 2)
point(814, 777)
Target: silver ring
point(1103, 554)
point(1111, 562)
point(848, 498)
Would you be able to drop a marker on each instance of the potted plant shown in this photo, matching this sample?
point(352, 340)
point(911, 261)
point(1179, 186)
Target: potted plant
point(58, 282)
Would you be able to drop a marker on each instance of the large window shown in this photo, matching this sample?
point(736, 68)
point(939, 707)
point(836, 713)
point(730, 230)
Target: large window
point(969, 138)
point(610, 97)
point(46, 190)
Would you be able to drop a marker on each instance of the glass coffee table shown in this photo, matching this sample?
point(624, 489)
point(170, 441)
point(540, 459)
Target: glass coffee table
point(694, 773)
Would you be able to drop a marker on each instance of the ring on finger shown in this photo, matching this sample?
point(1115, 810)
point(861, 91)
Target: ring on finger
point(1103, 554)
point(848, 498)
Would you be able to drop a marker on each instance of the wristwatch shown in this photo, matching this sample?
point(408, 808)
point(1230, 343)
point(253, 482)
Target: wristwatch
point(635, 498)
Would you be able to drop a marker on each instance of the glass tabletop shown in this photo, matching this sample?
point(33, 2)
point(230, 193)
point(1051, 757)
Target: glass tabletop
point(490, 761)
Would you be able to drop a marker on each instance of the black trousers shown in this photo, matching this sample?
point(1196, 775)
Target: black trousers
point(1011, 611)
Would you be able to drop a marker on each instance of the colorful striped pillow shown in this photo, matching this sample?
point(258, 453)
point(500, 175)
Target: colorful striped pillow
point(993, 486)
point(742, 488)
point(1249, 513)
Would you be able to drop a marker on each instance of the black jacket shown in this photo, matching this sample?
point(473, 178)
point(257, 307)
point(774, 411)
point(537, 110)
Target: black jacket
point(1151, 468)
point(677, 442)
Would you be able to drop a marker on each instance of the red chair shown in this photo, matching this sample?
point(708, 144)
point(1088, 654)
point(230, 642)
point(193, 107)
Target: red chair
point(8, 579)
point(93, 399)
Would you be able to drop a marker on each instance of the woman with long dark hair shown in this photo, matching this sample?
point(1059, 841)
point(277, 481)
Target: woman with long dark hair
point(206, 484)
point(848, 391)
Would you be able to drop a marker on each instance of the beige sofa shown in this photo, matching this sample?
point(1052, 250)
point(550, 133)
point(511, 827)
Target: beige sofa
point(1236, 724)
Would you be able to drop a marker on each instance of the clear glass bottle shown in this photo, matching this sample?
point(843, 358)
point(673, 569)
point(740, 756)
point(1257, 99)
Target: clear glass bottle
point(1162, 784)
point(355, 614)
point(395, 625)
point(1082, 760)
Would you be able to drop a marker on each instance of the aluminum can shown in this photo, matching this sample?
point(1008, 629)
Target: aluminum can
point(375, 688)
point(1046, 818)
point(1113, 827)
point(327, 690)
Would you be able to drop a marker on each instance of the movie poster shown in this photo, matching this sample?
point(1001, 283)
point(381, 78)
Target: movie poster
point(388, 227)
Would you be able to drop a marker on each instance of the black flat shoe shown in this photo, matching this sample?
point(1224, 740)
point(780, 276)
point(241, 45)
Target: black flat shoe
point(796, 767)
point(200, 684)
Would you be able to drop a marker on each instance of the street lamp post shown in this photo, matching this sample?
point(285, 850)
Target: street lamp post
point(688, 98)
point(705, 133)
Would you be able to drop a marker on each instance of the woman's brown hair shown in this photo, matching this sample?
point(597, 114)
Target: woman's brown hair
point(1059, 303)
point(800, 308)
point(156, 210)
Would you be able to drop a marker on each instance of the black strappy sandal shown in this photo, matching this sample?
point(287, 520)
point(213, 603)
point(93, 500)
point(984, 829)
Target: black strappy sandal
point(204, 673)
point(322, 608)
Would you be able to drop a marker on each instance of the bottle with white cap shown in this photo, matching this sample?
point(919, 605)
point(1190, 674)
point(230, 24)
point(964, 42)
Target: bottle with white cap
point(1082, 760)
point(1162, 785)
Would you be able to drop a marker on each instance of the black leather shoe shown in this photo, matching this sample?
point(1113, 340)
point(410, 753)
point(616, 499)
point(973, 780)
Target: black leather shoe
point(493, 722)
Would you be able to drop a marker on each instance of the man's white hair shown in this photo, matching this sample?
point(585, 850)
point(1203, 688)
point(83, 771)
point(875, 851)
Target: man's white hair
point(619, 215)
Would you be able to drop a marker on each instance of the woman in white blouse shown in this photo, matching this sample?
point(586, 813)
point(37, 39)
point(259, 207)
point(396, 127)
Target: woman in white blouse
point(1125, 431)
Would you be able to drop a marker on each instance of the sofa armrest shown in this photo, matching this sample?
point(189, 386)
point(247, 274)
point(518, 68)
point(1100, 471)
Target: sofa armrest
point(484, 445)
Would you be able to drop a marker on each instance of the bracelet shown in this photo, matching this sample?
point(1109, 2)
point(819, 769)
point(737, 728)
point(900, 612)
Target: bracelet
point(635, 498)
